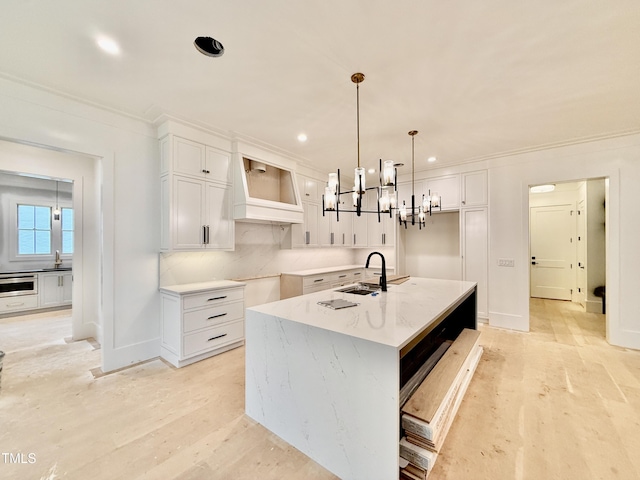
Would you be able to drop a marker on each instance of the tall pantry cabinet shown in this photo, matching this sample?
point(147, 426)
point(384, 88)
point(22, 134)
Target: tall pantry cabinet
point(474, 236)
point(196, 195)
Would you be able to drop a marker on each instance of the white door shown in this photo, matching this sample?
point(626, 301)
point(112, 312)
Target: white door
point(552, 251)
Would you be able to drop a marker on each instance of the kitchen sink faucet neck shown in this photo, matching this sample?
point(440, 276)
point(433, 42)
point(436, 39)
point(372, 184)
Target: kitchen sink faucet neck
point(383, 276)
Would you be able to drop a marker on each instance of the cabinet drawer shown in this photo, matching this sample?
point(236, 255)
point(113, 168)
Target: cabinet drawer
point(213, 297)
point(20, 302)
point(212, 338)
point(208, 317)
point(317, 279)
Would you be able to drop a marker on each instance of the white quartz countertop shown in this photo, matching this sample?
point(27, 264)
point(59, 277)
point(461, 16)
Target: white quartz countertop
point(390, 318)
point(200, 287)
point(320, 271)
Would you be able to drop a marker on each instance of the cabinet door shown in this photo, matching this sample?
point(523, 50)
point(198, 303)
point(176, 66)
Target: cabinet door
point(474, 189)
point(188, 157)
point(219, 217)
point(360, 230)
point(324, 227)
point(188, 212)
point(49, 290)
point(388, 229)
point(218, 165)
point(475, 253)
point(67, 287)
point(375, 228)
point(404, 193)
point(447, 187)
point(312, 213)
point(342, 230)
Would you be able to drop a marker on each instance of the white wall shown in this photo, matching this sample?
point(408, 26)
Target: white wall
point(124, 154)
point(434, 250)
point(509, 179)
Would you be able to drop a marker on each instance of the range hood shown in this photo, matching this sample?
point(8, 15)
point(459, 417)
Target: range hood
point(265, 189)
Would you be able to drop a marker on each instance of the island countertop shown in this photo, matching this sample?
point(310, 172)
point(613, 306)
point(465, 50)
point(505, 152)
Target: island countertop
point(391, 318)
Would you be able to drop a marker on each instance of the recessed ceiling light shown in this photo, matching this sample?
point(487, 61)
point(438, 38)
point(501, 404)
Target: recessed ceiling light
point(371, 170)
point(209, 46)
point(109, 45)
point(431, 159)
point(543, 188)
point(302, 137)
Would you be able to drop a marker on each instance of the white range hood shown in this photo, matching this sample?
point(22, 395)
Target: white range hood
point(265, 189)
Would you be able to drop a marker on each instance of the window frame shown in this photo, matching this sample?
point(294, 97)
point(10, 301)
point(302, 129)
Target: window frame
point(56, 230)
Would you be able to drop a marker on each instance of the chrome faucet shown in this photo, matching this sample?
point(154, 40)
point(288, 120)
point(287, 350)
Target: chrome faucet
point(58, 262)
point(383, 277)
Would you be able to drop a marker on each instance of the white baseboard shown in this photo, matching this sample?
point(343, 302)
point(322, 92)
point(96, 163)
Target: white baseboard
point(130, 355)
point(594, 306)
point(508, 321)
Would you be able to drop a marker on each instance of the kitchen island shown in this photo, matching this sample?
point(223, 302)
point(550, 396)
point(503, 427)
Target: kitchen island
point(328, 381)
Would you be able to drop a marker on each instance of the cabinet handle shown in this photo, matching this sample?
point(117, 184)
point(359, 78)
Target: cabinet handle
point(342, 276)
point(383, 239)
point(318, 280)
point(354, 238)
point(343, 242)
point(204, 234)
point(205, 171)
point(307, 237)
point(15, 304)
point(216, 316)
point(357, 273)
point(217, 336)
point(216, 298)
point(464, 202)
point(331, 238)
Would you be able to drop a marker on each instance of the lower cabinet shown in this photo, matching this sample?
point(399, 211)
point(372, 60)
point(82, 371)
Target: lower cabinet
point(55, 289)
point(309, 281)
point(200, 320)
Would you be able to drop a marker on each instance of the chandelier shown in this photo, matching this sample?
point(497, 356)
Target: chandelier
point(429, 202)
point(385, 192)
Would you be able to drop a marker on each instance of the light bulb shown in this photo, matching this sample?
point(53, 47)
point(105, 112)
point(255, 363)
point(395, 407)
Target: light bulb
point(329, 199)
point(384, 201)
point(403, 212)
point(388, 173)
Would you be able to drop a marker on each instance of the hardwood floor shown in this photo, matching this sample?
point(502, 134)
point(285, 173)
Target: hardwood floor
point(558, 402)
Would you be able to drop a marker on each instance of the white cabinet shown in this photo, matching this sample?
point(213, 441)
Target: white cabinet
point(447, 187)
point(379, 233)
point(201, 320)
point(306, 234)
point(54, 289)
point(18, 303)
point(196, 197)
point(474, 189)
point(308, 281)
point(474, 246)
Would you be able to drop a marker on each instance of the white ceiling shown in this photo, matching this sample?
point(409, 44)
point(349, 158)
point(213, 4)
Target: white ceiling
point(477, 79)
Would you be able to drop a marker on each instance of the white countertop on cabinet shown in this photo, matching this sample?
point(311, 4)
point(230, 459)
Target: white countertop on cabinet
point(391, 318)
point(200, 286)
point(320, 271)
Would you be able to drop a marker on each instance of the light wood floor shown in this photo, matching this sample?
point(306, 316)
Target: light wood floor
point(556, 403)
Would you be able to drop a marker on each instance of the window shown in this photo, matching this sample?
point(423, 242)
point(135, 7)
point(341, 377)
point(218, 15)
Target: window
point(34, 230)
point(67, 231)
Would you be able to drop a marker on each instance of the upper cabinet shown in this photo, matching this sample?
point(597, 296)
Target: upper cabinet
point(196, 194)
point(474, 189)
point(447, 187)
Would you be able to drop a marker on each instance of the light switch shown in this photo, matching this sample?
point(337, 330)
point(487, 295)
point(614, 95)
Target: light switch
point(505, 262)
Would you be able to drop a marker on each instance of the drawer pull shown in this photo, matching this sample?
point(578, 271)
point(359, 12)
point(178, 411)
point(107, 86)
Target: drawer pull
point(216, 316)
point(358, 273)
point(318, 280)
point(216, 298)
point(216, 337)
point(342, 276)
point(15, 304)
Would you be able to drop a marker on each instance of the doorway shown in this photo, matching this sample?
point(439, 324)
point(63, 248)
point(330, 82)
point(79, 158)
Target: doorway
point(567, 242)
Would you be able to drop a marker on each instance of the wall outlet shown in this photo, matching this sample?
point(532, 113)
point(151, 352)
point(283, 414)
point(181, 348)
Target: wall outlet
point(505, 262)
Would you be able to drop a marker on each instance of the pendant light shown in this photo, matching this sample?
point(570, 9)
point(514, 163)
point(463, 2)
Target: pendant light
point(386, 191)
point(56, 212)
point(429, 202)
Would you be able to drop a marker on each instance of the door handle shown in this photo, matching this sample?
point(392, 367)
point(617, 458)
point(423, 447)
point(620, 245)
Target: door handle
point(534, 263)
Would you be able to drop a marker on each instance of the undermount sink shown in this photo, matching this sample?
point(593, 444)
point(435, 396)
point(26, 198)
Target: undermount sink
point(358, 290)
